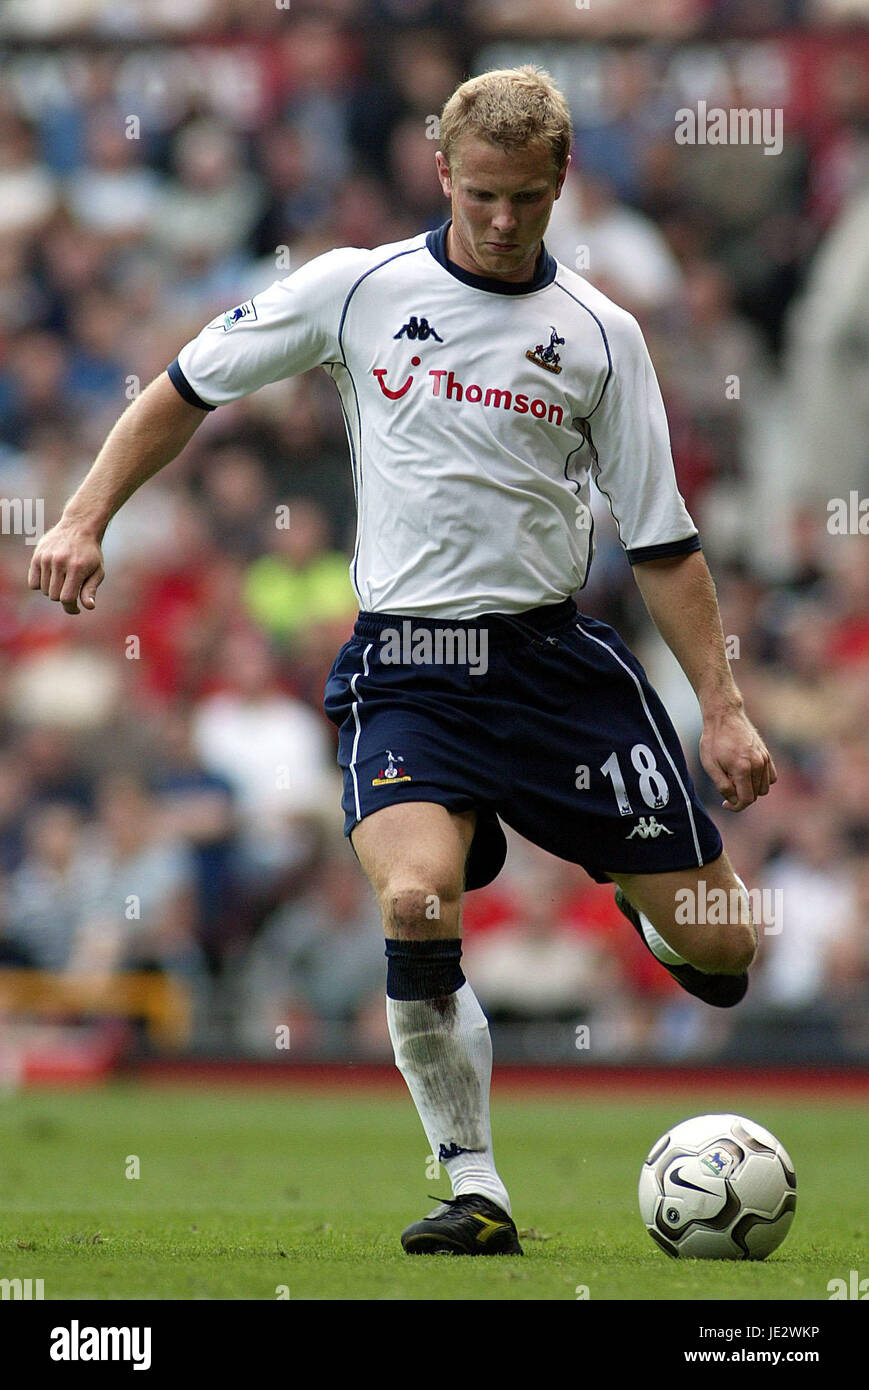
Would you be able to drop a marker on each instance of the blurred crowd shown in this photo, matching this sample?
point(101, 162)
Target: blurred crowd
point(169, 797)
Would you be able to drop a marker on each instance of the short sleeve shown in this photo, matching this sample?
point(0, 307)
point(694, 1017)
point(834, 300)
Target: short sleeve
point(287, 329)
point(634, 463)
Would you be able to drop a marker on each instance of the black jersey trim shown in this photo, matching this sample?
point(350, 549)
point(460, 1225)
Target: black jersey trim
point(544, 271)
point(183, 387)
point(606, 345)
point(666, 549)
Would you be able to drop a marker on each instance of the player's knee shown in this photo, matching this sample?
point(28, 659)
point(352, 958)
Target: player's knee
point(734, 949)
point(419, 911)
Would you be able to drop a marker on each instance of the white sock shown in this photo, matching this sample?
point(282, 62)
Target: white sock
point(444, 1053)
point(657, 945)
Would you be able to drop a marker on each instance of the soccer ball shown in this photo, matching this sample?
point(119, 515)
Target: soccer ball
point(718, 1187)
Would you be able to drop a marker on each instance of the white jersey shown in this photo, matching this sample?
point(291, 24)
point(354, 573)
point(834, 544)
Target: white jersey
point(477, 412)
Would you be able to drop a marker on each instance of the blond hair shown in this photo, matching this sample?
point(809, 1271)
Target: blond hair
point(509, 107)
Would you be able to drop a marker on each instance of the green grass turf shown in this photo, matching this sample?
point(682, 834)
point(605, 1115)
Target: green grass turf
point(244, 1191)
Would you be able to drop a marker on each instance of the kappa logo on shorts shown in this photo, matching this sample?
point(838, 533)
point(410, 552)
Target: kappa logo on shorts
point(392, 774)
point(648, 829)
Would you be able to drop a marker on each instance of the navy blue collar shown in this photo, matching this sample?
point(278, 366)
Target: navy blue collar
point(544, 272)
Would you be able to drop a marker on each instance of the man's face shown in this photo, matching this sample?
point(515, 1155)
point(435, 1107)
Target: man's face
point(501, 205)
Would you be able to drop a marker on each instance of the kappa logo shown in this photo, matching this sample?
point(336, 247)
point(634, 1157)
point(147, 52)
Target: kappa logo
point(247, 310)
point(648, 829)
point(547, 357)
point(392, 774)
point(418, 329)
point(445, 1153)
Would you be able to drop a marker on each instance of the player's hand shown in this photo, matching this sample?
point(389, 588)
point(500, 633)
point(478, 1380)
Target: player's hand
point(736, 758)
point(67, 565)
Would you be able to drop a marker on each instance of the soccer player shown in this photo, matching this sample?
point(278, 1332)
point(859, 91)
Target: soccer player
point(484, 385)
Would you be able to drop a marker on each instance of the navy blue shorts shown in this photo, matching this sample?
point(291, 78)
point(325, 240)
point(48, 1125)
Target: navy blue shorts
point(544, 719)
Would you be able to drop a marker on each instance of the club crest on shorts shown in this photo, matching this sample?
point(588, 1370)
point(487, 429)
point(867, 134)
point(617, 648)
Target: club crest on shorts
point(392, 774)
point(547, 357)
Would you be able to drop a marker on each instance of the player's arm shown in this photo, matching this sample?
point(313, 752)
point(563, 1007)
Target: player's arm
point(679, 593)
point(287, 329)
point(635, 471)
point(67, 564)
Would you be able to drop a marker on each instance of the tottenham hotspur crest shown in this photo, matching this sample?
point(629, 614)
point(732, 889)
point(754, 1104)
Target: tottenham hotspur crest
point(392, 773)
point(547, 357)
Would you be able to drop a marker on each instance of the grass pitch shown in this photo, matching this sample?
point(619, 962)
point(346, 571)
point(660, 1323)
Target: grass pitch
point(272, 1192)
